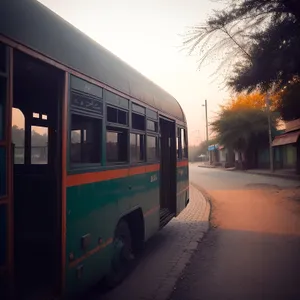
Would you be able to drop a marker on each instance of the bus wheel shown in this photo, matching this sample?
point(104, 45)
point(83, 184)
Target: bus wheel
point(122, 255)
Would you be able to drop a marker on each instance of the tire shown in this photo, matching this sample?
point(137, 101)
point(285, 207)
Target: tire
point(122, 255)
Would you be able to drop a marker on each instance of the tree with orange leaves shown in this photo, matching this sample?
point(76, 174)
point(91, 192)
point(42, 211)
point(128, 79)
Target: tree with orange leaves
point(242, 125)
point(254, 100)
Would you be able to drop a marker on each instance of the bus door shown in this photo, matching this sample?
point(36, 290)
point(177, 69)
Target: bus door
point(167, 170)
point(36, 136)
point(6, 237)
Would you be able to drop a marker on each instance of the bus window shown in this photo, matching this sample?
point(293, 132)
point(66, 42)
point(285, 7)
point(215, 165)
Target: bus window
point(183, 143)
point(137, 147)
point(138, 122)
point(86, 140)
point(178, 144)
point(39, 145)
point(18, 136)
point(152, 126)
point(152, 150)
point(139, 109)
point(116, 145)
point(117, 116)
point(152, 114)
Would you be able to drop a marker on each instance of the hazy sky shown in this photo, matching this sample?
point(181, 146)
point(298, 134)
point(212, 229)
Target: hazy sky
point(146, 34)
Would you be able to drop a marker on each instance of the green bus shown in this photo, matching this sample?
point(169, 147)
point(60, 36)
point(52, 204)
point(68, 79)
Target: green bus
point(93, 157)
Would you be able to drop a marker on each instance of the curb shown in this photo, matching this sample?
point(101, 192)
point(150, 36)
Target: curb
point(274, 175)
point(207, 198)
point(207, 167)
point(165, 291)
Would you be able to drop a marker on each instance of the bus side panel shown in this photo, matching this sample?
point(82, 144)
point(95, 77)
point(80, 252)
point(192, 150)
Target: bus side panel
point(145, 194)
point(182, 187)
point(93, 211)
point(92, 215)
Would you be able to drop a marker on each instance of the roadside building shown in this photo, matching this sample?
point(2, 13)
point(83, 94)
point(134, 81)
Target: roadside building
point(227, 157)
point(214, 154)
point(287, 147)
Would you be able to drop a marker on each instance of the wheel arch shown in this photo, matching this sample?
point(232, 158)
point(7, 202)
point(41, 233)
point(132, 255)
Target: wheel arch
point(136, 223)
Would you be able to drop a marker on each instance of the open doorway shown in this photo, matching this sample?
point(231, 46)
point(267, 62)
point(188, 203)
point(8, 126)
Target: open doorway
point(167, 171)
point(36, 137)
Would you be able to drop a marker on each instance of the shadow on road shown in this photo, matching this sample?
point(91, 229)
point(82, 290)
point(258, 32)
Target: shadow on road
point(234, 264)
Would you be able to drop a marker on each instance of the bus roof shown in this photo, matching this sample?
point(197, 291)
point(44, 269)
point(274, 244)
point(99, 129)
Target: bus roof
point(34, 25)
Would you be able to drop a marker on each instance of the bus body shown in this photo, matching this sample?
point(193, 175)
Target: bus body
point(93, 156)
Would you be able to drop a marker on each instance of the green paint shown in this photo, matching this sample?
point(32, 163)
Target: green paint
point(95, 209)
point(182, 183)
point(3, 233)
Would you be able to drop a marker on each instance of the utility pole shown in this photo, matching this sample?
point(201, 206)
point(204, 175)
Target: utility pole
point(270, 132)
point(206, 122)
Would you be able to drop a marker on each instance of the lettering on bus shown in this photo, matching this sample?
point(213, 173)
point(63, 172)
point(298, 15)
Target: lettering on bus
point(180, 172)
point(89, 104)
point(153, 178)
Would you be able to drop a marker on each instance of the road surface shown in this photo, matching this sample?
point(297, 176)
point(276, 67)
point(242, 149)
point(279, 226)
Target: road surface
point(253, 250)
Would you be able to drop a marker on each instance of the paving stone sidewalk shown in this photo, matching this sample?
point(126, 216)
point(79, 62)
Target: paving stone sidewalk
point(166, 254)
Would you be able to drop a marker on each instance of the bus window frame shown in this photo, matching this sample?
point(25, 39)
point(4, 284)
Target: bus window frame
point(181, 138)
point(84, 167)
point(152, 134)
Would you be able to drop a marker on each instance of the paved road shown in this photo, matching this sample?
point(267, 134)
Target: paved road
point(166, 255)
point(253, 250)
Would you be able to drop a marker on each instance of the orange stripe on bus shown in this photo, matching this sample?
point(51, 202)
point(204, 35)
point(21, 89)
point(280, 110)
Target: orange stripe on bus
point(78, 179)
point(152, 168)
point(137, 170)
point(90, 253)
point(182, 163)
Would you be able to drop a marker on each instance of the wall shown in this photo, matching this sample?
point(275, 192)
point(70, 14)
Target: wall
point(289, 156)
point(263, 158)
point(223, 155)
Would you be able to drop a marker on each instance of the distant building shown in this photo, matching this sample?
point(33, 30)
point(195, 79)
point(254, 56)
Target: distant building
point(286, 146)
point(213, 152)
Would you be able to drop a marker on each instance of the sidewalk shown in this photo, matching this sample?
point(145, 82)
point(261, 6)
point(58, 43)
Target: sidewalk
point(166, 254)
point(286, 174)
point(205, 165)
